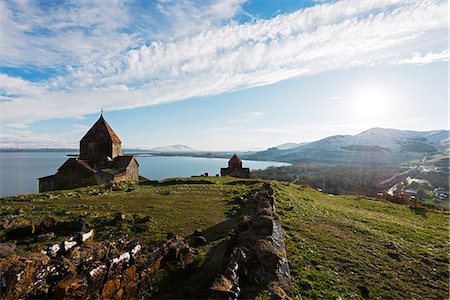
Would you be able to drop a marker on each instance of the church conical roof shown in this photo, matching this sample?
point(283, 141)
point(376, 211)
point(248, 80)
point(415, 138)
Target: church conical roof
point(235, 159)
point(101, 125)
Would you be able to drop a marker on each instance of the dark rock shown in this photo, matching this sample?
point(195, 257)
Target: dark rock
point(172, 236)
point(394, 255)
point(277, 293)
point(231, 271)
point(364, 291)
point(47, 222)
point(120, 217)
point(267, 253)
point(81, 225)
point(264, 224)
point(20, 233)
point(239, 200)
point(248, 239)
point(265, 212)
point(263, 203)
point(198, 232)
point(244, 223)
point(240, 255)
point(64, 227)
point(222, 285)
point(200, 240)
point(268, 187)
point(8, 249)
point(142, 220)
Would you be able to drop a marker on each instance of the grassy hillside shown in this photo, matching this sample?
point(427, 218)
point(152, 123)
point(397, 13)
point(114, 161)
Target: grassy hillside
point(349, 247)
point(338, 246)
point(178, 206)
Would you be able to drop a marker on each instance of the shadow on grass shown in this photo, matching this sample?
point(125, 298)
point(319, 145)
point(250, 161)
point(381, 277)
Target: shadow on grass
point(194, 282)
point(419, 211)
point(244, 182)
point(175, 182)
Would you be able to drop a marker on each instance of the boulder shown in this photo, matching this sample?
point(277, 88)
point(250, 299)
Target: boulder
point(120, 216)
point(66, 227)
point(240, 255)
point(248, 239)
point(73, 287)
point(142, 220)
point(198, 232)
point(112, 290)
point(81, 225)
point(244, 223)
point(7, 249)
point(267, 253)
point(85, 237)
point(47, 222)
point(265, 212)
point(200, 240)
point(222, 284)
point(263, 224)
point(263, 203)
point(277, 293)
point(128, 283)
point(172, 236)
point(21, 232)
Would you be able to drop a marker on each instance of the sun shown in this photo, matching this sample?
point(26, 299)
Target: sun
point(370, 102)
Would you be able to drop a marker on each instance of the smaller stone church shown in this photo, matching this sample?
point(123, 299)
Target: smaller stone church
point(235, 168)
point(101, 161)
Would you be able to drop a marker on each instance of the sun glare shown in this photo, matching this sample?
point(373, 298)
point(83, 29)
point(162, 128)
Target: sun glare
point(370, 102)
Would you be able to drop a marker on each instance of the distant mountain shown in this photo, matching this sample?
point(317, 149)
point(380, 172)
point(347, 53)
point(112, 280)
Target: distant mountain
point(288, 146)
point(373, 146)
point(173, 148)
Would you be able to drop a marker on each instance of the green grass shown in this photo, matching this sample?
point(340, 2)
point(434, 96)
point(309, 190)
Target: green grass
point(338, 246)
point(348, 247)
point(179, 206)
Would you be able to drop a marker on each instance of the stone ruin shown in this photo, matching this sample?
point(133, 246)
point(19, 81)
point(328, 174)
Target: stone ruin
point(77, 267)
point(256, 257)
point(80, 268)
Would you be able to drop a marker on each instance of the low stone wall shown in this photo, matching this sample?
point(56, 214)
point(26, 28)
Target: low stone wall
point(80, 268)
point(256, 255)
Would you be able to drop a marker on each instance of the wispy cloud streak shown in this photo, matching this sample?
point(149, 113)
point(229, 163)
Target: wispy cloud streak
point(108, 65)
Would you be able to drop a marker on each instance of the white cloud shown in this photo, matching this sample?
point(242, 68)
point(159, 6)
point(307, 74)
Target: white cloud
point(112, 68)
point(27, 139)
point(419, 59)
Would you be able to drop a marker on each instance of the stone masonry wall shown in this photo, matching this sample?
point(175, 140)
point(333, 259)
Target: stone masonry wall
point(256, 255)
point(80, 268)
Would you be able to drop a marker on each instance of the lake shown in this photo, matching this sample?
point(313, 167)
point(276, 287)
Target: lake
point(19, 171)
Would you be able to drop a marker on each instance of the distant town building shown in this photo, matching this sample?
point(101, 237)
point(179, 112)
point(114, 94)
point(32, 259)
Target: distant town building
point(101, 161)
point(235, 168)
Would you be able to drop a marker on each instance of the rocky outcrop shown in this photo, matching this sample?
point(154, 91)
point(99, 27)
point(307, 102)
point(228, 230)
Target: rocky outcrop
point(80, 268)
point(256, 255)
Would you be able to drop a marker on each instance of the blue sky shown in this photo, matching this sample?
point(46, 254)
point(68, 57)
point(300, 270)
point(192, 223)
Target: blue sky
point(220, 75)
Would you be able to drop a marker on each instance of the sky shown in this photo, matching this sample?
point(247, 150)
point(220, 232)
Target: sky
point(220, 75)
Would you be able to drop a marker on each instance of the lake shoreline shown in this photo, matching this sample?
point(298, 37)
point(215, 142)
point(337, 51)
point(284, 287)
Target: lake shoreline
point(19, 171)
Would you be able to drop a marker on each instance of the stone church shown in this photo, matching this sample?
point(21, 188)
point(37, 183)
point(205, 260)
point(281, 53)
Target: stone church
point(101, 161)
point(235, 168)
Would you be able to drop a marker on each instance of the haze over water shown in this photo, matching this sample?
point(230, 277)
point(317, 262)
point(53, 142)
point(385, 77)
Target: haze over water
point(19, 171)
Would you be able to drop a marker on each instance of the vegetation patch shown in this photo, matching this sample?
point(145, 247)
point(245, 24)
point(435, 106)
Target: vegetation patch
point(357, 247)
